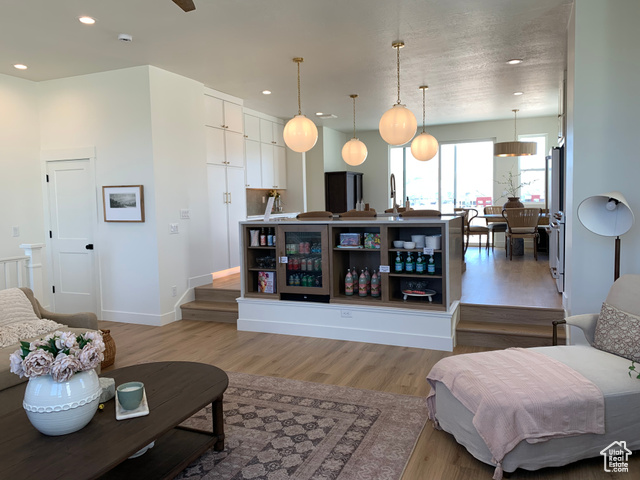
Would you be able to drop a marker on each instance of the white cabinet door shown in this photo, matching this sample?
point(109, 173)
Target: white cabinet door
point(233, 117)
point(237, 212)
point(267, 165)
point(218, 198)
point(279, 167)
point(213, 112)
point(266, 131)
point(278, 134)
point(215, 146)
point(252, 128)
point(254, 169)
point(234, 148)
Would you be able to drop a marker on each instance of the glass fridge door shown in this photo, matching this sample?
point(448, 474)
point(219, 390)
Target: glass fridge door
point(304, 266)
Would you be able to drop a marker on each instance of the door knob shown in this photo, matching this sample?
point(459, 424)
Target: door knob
point(89, 247)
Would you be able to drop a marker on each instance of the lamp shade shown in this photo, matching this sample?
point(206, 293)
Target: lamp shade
point(607, 214)
point(514, 149)
point(354, 152)
point(424, 147)
point(300, 134)
point(398, 125)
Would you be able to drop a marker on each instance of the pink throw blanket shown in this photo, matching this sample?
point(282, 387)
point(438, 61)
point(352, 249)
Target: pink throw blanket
point(518, 394)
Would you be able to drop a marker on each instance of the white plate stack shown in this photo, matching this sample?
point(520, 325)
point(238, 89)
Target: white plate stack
point(419, 240)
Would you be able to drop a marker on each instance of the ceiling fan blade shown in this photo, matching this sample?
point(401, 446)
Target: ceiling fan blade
point(186, 5)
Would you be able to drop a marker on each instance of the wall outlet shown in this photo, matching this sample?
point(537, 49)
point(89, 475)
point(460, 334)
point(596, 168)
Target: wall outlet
point(345, 313)
point(15, 231)
point(174, 291)
point(173, 228)
point(185, 214)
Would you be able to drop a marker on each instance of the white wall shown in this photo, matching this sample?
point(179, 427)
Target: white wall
point(376, 167)
point(111, 112)
point(180, 178)
point(602, 153)
point(20, 174)
point(314, 165)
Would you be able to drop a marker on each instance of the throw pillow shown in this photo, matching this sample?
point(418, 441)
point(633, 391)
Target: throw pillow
point(618, 332)
point(26, 331)
point(15, 307)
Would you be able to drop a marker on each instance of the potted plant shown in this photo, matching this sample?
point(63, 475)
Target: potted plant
point(512, 185)
point(63, 392)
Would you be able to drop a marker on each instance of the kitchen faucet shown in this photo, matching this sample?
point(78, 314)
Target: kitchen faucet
point(393, 193)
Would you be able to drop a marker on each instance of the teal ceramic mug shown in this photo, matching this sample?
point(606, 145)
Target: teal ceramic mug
point(130, 395)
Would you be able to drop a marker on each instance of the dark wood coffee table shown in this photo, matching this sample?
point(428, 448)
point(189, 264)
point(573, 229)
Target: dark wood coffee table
point(175, 391)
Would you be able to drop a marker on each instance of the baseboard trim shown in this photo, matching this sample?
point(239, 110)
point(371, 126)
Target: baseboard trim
point(154, 320)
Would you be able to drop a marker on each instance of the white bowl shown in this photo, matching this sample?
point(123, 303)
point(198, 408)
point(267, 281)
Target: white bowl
point(409, 245)
point(398, 243)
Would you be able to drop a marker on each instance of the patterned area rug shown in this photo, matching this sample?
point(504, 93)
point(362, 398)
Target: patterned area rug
point(280, 429)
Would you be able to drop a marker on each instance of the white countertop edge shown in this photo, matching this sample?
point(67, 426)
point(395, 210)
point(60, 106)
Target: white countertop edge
point(273, 215)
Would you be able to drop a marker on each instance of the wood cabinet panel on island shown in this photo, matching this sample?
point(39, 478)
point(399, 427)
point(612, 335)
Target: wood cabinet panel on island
point(413, 309)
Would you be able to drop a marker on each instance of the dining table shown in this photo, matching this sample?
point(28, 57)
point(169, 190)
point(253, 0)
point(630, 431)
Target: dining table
point(518, 248)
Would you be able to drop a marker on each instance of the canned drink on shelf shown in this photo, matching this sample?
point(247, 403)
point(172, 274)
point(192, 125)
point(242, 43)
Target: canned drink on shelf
point(303, 264)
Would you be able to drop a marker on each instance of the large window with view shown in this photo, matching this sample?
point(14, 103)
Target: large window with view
point(533, 171)
point(461, 175)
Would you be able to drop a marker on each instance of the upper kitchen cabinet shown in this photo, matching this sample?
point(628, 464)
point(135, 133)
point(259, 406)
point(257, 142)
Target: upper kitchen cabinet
point(223, 114)
point(271, 132)
point(265, 152)
point(252, 128)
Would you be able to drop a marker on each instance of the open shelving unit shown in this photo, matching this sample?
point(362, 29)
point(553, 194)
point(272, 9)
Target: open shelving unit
point(252, 255)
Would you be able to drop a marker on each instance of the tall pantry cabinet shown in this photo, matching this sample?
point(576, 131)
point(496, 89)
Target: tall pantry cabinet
point(226, 176)
point(265, 151)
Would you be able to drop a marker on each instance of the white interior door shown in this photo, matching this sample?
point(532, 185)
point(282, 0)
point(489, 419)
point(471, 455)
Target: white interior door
point(218, 201)
point(237, 212)
point(73, 211)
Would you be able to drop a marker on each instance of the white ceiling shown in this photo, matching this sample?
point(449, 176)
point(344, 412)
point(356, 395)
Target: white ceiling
point(241, 47)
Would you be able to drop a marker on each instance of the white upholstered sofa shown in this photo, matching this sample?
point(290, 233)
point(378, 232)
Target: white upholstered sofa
point(608, 371)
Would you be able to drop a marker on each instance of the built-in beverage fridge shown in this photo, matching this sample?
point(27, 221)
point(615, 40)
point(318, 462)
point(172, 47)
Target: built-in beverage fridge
point(303, 261)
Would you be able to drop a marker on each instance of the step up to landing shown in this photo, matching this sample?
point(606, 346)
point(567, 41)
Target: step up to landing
point(212, 305)
point(507, 326)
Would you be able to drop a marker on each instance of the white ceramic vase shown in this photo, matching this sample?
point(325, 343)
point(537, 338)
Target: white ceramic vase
point(57, 408)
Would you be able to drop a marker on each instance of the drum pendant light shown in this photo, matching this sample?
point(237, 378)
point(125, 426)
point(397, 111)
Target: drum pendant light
point(424, 147)
point(354, 151)
point(300, 133)
point(398, 125)
point(515, 148)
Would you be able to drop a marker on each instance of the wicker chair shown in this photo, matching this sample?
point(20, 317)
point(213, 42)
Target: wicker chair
point(494, 226)
point(522, 223)
point(470, 214)
point(358, 214)
point(315, 214)
point(399, 210)
point(420, 213)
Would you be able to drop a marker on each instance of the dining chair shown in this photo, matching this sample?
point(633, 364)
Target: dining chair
point(494, 226)
point(420, 213)
point(399, 210)
point(522, 223)
point(358, 214)
point(469, 215)
point(315, 214)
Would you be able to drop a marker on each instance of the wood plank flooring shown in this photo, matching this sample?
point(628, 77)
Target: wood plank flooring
point(367, 366)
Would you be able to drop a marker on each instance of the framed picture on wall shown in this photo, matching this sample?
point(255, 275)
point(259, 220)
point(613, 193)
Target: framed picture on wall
point(123, 203)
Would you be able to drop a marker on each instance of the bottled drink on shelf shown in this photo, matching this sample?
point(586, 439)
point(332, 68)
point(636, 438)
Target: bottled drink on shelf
point(367, 276)
point(410, 265)
point(431, 266)
point(263, 238)
point(375, 285)
point(270, 237)
point(420, 265)
point(362, 284)
point(399, 264)
point(354, 274)
point(348, 283)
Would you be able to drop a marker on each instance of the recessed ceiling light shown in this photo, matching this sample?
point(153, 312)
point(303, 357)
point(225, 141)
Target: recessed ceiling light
point(514, 61)
point(518, 93)
point(319, 114)
point(266, 92)
point(20, 66)
point(87, 20)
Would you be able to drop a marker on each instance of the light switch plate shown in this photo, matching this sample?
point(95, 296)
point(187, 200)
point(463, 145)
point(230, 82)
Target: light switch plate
point(173, 228)
point(15, 231)
point(185, 214)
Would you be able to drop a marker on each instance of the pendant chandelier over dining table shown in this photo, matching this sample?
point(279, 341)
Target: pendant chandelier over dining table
point(300, 133)
point(354, 152)
point(424, 147)
point(515, 148)
point(398, 125)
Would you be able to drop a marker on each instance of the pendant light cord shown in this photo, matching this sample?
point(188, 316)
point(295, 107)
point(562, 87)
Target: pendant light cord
point(423, 109)
point(354, 116)
point(299, 104)
point(515, 128)
point(398, 63)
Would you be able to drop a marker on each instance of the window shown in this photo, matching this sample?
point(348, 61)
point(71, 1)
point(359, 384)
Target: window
point(460, 175)
point(533, 170)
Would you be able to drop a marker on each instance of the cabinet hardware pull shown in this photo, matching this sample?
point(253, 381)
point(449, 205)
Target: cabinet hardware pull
point(229, 197)
point(224, 197)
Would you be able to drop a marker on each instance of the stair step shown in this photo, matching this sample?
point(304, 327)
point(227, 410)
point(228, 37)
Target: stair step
point(226, 312)
point(209, 293)
point(504, 335)
point(506, 314)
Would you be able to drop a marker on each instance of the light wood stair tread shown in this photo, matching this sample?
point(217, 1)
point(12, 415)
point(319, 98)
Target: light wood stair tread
point(212, 306)
point(540, 331)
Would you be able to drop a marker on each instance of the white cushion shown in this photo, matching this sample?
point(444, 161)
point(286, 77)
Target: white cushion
point(15, 307)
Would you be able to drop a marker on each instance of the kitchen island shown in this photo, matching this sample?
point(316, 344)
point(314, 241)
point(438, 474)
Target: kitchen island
point(296, 284)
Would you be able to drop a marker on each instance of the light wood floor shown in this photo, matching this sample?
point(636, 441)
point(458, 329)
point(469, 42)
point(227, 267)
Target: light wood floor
point(375, 367)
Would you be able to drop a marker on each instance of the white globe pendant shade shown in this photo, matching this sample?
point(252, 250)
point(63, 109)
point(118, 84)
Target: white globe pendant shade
point(424, 147)
point(398, 125)
point(354, 152)
point(300, 134)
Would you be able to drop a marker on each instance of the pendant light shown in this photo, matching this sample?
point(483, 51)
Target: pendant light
point(515, 148)
point(354, 151)
point(424, 147)
point(398, 125)
point(300, 133)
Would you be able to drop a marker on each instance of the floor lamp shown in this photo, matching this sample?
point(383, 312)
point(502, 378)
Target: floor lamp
point(608, 215)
